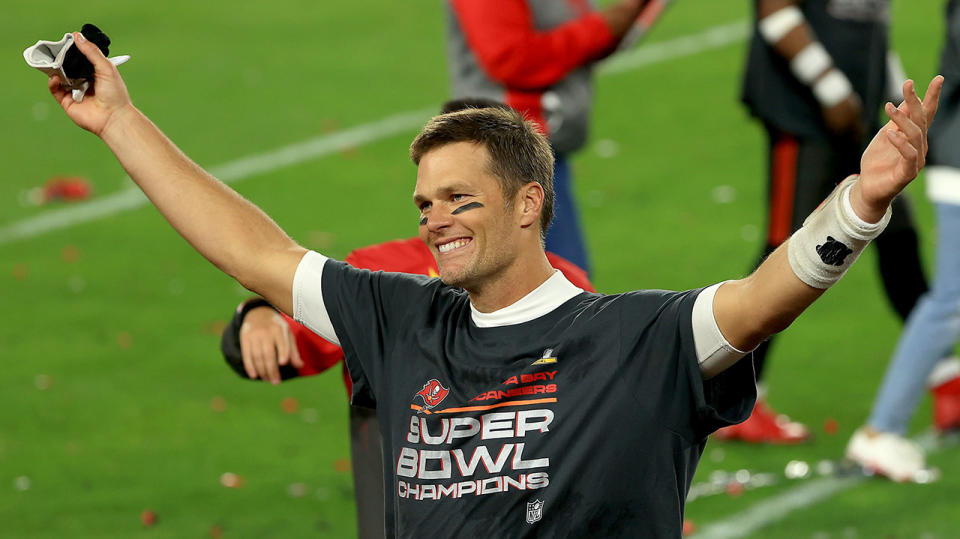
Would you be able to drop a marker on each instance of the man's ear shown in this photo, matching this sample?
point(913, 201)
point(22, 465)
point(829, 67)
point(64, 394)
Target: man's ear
point(531, 203)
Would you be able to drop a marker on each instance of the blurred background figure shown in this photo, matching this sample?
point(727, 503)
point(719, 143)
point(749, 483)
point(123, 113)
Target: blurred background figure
point(537, 56)
point(933, 328)
point(816, 76)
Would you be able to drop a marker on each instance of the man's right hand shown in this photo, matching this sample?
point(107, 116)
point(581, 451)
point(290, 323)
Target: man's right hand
point(845, 119)
point(106, 97)
point(266, 342)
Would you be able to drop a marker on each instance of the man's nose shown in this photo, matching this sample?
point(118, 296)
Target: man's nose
point(439, 219)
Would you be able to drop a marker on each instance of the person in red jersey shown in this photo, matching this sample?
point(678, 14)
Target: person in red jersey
point(263, 343)
point(538, 57)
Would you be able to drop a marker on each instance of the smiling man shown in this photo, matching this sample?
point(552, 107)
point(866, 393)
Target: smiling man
point(511, 402)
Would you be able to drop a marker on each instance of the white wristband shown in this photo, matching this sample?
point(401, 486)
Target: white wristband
point(810, 62)
point(831, 239)
point(778, 24)
point(832, 88)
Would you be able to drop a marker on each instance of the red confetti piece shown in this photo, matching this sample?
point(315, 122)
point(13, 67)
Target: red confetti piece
point(290, 405)
point(124, 340)
point(689, 527)
point(216, 532)
point(218, 404)
point(70, 253)
point(734, 489)
point(20, 271)
point(350, 152)
point(214, 327)
point(830, 426)
point(329, 125)
point(69, 188)
point(148, 517)
point(341, 465)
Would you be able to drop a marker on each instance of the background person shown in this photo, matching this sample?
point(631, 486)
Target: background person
point(816, 76)
point(537, 56)
point(933, 328)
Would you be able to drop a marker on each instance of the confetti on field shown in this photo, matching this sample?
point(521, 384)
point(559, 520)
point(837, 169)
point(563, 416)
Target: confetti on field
point(20, 271)
point(830, 426)
point(77, 284)
point(290, 405)
point(22, 483)
point(124, 340)
point(734, 489)
point(309, 415)
point(42, 381)
point(321, 239)
point(329, 125)
point(723, 194)
point(689, 527)
point(606, 148)
point(216, 532)
point(218, 404)
point(341, 465)
point(70, 253)
point(148, 517)
point(231, 480)
point(797, 469)
point(66, 188)
point(214, 327)
point(297, 490)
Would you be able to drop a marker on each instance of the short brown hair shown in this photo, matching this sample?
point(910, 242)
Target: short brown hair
point(519, 154)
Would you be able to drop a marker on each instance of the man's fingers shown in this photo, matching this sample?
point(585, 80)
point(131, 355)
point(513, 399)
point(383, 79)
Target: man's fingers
point(63, 97)
point(269, 357)
point(907, 150)
point(931, 99)
point(912, 102)
point(905, 123)
point(283, 343)
point(247, 359)
point(92, 52)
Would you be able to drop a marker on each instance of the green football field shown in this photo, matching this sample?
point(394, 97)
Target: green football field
point(114, 399)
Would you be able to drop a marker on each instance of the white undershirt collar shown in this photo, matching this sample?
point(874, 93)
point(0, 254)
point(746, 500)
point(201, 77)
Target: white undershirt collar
point(555, 291)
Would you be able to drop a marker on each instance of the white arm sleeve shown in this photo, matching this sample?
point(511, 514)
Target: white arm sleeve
point(308, 306)
point(714, 353)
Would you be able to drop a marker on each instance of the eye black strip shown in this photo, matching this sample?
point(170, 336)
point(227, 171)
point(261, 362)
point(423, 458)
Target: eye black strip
point(466, 207)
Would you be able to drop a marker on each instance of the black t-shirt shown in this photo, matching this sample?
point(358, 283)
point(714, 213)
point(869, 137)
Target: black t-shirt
point(586, 421)
point(854, 33)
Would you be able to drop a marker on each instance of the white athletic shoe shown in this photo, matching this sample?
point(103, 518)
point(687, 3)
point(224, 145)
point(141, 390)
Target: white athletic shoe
point(886, 454)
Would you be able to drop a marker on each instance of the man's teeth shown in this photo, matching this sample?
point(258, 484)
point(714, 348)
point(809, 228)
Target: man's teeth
point(447, 247)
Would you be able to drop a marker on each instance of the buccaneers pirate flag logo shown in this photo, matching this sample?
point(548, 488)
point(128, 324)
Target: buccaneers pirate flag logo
point(432, 393)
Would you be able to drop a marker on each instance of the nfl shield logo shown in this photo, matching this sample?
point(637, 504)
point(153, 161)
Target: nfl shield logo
point(534, 511)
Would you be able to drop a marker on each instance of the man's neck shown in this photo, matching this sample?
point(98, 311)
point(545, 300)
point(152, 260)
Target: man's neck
point(517, 281)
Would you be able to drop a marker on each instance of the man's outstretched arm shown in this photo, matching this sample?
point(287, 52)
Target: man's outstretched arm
point(228, 230)
point(749, 310)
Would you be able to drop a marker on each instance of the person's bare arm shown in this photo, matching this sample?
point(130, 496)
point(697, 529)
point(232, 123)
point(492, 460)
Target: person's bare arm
point(749, 310)
point(228, 230)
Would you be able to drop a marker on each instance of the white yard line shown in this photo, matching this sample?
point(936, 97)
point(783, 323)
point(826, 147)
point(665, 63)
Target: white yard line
point(770, 510)
point(315, 148)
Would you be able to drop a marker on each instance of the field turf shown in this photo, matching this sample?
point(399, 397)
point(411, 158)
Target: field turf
point(113, 396)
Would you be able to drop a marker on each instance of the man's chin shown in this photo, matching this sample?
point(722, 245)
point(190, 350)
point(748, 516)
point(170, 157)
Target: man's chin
point(452, 277)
